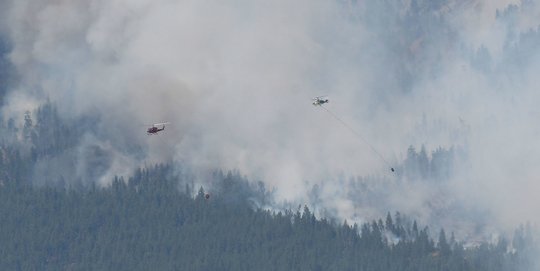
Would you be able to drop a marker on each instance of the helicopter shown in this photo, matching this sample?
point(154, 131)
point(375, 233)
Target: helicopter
point(320, 100)
point(155, 129)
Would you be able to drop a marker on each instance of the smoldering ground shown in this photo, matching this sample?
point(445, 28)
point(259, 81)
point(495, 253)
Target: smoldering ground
point(235, 80)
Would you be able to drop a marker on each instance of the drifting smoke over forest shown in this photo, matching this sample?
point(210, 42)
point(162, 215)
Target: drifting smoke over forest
point(444, 90)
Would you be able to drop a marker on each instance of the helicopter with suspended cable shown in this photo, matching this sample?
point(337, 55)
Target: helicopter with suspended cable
point(320, 100)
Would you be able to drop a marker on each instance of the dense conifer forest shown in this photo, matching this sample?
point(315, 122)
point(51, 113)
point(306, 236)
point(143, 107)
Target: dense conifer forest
point(151, 223)
point(57, 212)
point(158, 220)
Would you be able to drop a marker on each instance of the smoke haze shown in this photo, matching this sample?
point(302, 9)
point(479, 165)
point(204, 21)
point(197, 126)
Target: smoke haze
point(236, 78)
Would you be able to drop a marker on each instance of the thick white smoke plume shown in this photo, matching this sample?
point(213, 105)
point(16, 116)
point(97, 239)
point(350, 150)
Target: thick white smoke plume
point(236, 78)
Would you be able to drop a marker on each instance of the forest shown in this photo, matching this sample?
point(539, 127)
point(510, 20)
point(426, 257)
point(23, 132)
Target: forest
point(158, 219)
point(149, 222)
point(60, 210)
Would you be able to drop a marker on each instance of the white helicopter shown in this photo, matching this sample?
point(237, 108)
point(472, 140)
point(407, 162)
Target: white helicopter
point(320, 100)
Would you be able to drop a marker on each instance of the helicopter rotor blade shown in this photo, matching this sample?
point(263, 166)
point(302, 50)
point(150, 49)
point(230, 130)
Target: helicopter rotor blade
point(162, 123)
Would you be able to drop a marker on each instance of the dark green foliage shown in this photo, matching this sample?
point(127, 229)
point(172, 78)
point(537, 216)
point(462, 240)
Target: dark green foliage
point(148, 223)
point(152, 221)
point(411, 35)
point(7, 70)
point(52, 135)
point(418, 166)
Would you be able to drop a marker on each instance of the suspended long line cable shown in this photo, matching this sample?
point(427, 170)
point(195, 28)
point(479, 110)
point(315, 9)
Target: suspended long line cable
point(357, 134)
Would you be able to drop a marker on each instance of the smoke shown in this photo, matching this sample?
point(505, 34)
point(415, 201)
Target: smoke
point(235, 80)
